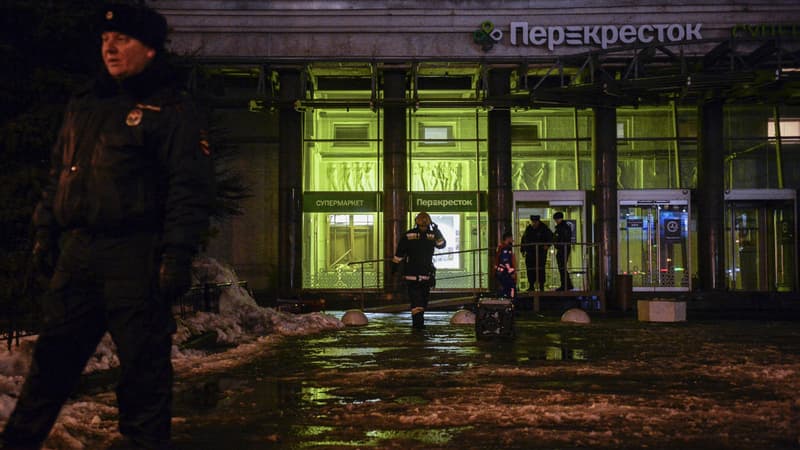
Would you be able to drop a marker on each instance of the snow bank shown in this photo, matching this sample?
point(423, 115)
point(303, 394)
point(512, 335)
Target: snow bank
point(239, 321)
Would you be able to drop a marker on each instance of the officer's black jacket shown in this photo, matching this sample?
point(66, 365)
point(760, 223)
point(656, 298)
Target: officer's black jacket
point(129, 157)
point(416, 250)
point(563, 236)
point(534, 235)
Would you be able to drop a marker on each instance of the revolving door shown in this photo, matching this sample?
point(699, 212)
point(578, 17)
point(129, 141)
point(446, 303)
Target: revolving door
point(760, 229)
point(654, 239)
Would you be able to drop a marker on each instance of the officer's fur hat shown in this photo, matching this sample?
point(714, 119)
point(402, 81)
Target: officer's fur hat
point(140, 22)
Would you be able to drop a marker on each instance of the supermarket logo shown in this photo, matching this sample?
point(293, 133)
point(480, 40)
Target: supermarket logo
point(487, 35)
point(603, 36)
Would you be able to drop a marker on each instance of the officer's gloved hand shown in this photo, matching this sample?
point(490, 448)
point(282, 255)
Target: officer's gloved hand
point(175, 273)
point(44, 253)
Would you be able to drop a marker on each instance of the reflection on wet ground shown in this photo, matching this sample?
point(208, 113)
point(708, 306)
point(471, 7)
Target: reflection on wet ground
point(611, 384)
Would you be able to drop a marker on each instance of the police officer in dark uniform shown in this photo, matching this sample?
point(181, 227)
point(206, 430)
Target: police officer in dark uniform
point(535, 242)
point(563, 243)
point(415, 251)
point(126, 206)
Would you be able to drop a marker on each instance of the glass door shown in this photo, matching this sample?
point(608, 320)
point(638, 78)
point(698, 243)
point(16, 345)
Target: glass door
point(654, 239)
point(761, 247)
point(544, 204)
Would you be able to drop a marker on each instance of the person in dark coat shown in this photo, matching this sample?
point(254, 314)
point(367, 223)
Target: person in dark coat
point(117, 226)
point(415, 254)
point(562, 239)
point(505, 267)
point(535, 242)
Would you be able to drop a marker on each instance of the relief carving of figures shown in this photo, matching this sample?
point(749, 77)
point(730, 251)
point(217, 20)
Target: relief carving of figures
point(334, 177)
point(540, 177)
point(519, 177)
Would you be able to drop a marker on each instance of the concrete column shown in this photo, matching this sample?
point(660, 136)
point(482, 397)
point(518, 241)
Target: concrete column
point(500, 200)
point(395, 171)
point(604, 141)
point(710, 202)
point(290, 188)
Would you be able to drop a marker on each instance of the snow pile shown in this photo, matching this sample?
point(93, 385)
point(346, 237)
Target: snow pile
point(240, 319)
point(240, 323)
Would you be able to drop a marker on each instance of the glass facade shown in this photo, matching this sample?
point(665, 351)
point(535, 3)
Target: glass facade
point(448, 179)
point(551, 149)
point(751, 156)
point(342, 246)
point(342, 167)
point(656, 147)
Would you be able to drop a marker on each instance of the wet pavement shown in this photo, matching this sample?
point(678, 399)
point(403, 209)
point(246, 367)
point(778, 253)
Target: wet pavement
point(615, 383)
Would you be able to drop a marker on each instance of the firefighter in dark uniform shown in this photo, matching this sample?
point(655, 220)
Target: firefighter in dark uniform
point(415, 252)
point(505, 267)
point(562, 238)
point(535, 243)
point(127, 204)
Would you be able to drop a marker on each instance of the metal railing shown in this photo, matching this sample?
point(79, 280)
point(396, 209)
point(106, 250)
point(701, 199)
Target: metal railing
point(582, 266)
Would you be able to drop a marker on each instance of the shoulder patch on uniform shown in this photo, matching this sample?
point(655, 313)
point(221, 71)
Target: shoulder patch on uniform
point(148, 107)
point(205, 146)
point(134, 117)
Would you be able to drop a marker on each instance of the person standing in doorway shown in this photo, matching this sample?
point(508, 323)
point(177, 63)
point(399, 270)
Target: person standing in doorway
point(123, 213)
point(505, 267)
point(563, 243)
point(415, 253)
point(535, 242)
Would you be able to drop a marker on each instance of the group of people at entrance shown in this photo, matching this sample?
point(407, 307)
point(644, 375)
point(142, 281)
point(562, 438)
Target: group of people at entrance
point(413, 258)
point(536, 242)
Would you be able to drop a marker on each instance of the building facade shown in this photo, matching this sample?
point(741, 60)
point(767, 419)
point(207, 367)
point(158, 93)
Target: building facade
point(667, 134)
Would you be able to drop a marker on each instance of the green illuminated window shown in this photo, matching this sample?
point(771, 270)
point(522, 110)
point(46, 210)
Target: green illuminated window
point(656, 147)
point(550, 151)
point(342, 179)
point(448, 165)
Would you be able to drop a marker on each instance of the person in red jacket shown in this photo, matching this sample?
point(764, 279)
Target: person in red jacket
point(415, 253)
point(126, 206)
point(505, 266)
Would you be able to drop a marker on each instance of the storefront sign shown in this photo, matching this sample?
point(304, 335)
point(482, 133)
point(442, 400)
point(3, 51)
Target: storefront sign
point(448, 201)
point(524, 33)
point(766, 31)
point(635, 223)
point(340, 201)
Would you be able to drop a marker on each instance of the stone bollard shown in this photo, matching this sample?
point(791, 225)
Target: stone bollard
point(661, 310)
point(354, 318)
point(575, 315)
point(463, 317)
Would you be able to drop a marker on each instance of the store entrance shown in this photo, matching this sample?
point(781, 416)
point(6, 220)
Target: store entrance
point(653, 239)
point(761, 252)
point(545, 204)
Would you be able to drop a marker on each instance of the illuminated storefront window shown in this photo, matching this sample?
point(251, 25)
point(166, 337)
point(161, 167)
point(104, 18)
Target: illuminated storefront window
point(448, 179)
point(656, 147)
point(341, 201)
point(551, 149)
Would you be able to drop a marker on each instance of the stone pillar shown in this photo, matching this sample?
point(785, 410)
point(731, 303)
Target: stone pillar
point(395, 171)
point(290, 188)
point(500, 200)
point(604, 140)
point(710, 202)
